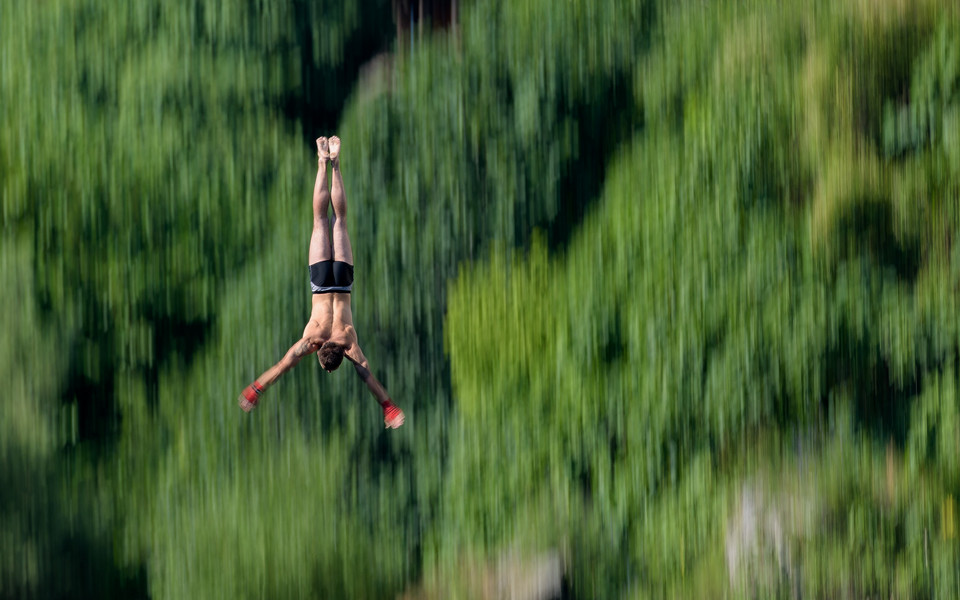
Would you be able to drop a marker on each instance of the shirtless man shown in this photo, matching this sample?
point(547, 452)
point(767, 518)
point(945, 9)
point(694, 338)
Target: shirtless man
point(330, 331)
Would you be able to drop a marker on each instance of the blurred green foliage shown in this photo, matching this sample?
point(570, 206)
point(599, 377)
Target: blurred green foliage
point(667, 287)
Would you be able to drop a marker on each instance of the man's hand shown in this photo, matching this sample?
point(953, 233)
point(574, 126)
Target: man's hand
point(392, 416)
point(250, 396)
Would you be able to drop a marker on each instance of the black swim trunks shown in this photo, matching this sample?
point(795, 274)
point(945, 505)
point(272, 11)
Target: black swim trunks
point(329, 276)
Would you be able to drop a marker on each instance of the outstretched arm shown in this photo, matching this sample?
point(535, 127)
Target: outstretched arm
point(251, 394)
point(392, 416)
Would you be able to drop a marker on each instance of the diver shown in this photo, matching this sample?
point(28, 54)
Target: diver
point(329, 332)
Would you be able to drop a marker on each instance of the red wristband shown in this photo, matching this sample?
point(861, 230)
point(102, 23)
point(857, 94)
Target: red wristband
point(252, 392)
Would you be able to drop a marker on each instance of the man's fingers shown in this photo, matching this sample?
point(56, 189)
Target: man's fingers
point(395, 420)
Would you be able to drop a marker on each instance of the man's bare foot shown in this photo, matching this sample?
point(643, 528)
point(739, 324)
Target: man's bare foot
point(323, 153)
point(334, 146)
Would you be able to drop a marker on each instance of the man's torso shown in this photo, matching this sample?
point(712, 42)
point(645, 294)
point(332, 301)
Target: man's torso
point(331, 320)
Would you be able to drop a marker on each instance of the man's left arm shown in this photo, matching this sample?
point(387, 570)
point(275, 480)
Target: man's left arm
point(393, 416)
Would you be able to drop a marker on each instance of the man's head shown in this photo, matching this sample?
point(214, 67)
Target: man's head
point(330, 356)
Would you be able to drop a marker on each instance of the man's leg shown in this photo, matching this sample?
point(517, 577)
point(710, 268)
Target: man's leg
point(341, 239)
point(320, 248)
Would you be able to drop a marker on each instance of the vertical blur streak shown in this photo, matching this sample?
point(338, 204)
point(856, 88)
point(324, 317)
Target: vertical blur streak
point(667, 291)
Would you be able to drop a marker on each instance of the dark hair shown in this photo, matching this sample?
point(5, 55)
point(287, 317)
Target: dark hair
point(330, 355)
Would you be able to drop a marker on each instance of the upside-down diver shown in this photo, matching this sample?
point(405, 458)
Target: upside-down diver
point(329, 332)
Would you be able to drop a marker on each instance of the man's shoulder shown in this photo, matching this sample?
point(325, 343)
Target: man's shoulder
point(344, 334)
point(350, 335)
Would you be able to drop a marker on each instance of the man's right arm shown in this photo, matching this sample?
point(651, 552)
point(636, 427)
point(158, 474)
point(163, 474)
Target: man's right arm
point(251, 394)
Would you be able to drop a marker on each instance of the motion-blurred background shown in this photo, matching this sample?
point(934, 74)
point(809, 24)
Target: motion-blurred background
point(667, 289)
